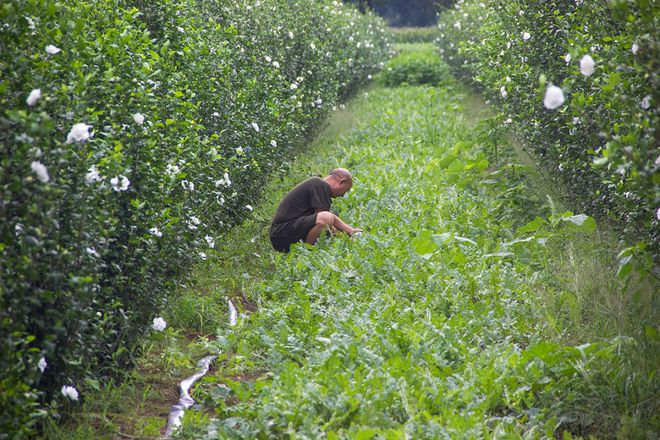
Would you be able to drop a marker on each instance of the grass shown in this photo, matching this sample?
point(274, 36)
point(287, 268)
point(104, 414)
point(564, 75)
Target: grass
point(441, 321)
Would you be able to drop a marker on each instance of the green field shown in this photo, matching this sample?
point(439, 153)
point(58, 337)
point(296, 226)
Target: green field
point(473, 305)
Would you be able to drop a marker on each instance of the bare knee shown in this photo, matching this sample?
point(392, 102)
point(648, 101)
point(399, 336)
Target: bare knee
point(325, 218)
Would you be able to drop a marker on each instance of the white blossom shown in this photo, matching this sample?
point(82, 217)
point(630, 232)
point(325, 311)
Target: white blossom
point(202, 255)
point(457, 25)
point(312, 45)
point(634, 48)
point(576, 120)
point(79, 132)
point(172, 169)
point(587, 65)
point(503, 92)
point(120, 183)
point(138, 118)
point(249, 207)
point(255, 126)
point(291, 35)
point(268, 59)
point(646, 102)
point(41, 171)
point(33, 97)
point(657, 214)
point(554, 97)
point(239, 151)
point(369, 77)
point(568, 58)
point(273, 143)
point(276, 64)
point(42, 364)
point(155, 231)
point(508, 121)
point(52, 49)
point(91, 251)
point(508, 79)
point(70, 392)
point(293, 86)
point(526, 36)
point(92, 175)
point(224, 181)
point(159, 324)
point(193, 222)
point(210, 241)
point(190, 186)
point(180, 29)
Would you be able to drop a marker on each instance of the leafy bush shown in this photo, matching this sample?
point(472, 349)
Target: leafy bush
point(133, 134)
point(415, 68)
point(603, 55)
point(415, 34)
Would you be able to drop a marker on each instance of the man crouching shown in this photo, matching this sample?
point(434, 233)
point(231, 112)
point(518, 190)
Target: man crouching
point(305, 211)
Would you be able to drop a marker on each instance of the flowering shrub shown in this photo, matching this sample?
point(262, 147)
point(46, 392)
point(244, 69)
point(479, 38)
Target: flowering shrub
point(133, 134)
point(579, 80)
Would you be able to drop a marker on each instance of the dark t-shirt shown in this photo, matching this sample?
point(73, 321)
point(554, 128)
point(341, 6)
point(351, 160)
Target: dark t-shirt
point(301, 201)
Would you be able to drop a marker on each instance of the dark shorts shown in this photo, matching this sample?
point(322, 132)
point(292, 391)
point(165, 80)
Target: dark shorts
point(296, 230)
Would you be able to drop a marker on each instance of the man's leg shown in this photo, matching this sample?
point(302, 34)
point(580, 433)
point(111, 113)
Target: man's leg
point(324, 220)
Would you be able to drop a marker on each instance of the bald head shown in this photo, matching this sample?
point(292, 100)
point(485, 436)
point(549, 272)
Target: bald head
point(340, 181)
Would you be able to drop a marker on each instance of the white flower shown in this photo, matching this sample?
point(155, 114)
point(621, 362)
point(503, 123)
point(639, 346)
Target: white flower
point(40, 170)
point(369, 76)
point(276, 64)
point(587, 65)
point(92, 175)
point(33, 97)
point(508, 79)
point(171, 169)
point(210, 241)
point(19, 227)
point(312, 45)
point(79, 132)
point(526, 36)
point(568, 58)
point(576, 120)
point(159, 324)
point(239, 151)
point(120, 183)
point(634, 48)
point(202, 255)
point(554, 97)
point(508, 121)
point(138, 118)
point(293, 86)
point(188, 185)
point(52, 49)
point(291, 35)
point(92, 252)
point(42, 364)
point(180, 29)
point(155, 231)
point(255, 126)
point(268, 59)
point(193, 222)
point(457, 25)
point(273, 143)
point(503, 91)
point(31, 24)
point(70, 392)
point(657, 214)
point(646, 102)
point(224, 181)
point(249, 207)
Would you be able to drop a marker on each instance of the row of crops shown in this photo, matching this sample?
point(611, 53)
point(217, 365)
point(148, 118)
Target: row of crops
point(579, 81)
point(133, 133)
point(449, 317)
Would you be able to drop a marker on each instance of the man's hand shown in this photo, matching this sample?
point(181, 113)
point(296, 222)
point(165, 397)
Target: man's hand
point(354, 231)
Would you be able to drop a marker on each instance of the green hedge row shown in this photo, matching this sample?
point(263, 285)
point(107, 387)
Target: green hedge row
point(133, 133)
point(579, 81)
